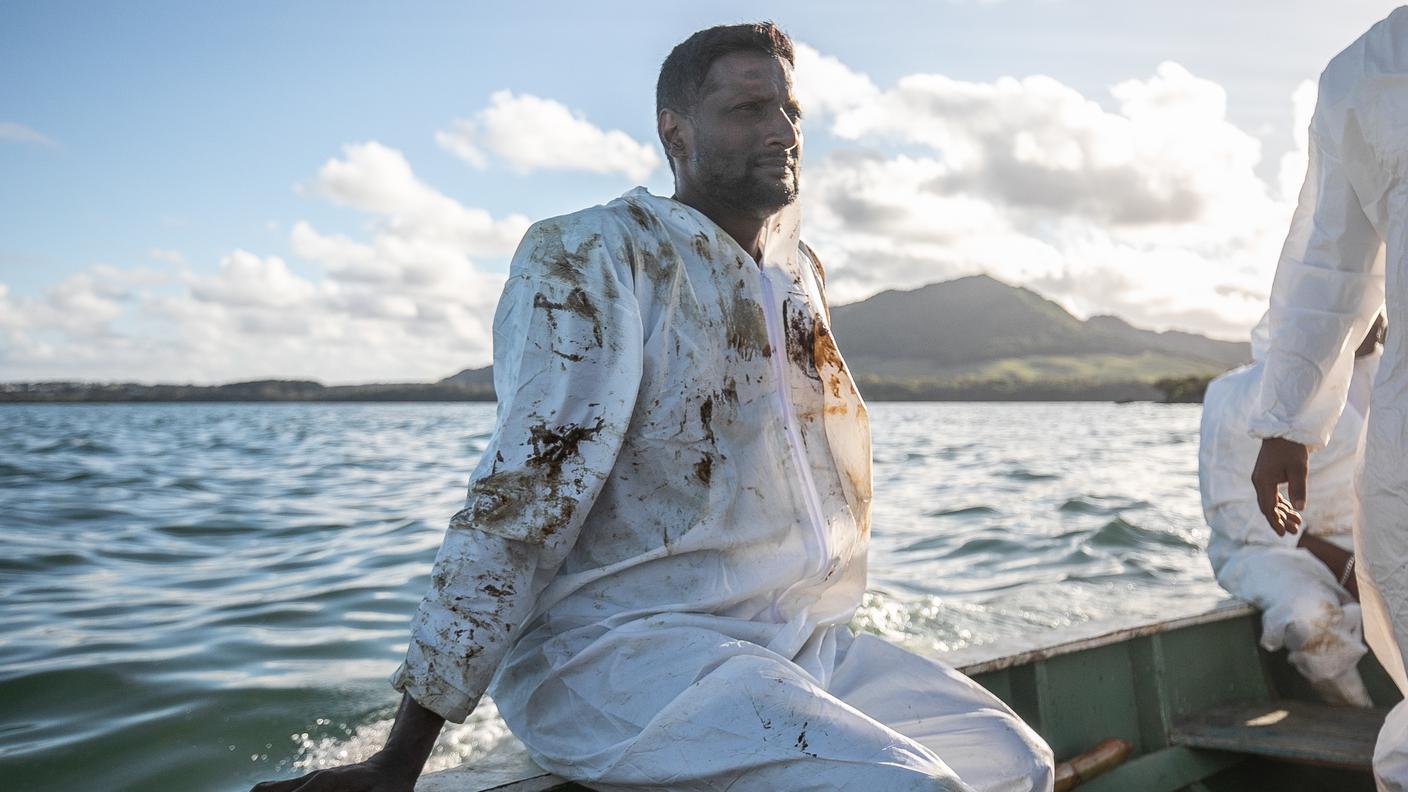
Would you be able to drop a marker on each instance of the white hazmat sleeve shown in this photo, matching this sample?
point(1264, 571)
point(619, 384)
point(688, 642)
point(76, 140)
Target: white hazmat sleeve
point(1329, 286)
point(567, 365)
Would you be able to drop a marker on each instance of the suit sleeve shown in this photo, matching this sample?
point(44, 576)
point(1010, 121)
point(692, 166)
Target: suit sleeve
point(567, 367)
point(1329, 285)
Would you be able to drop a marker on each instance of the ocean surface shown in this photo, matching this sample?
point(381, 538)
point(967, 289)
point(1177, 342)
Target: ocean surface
point(198, 597)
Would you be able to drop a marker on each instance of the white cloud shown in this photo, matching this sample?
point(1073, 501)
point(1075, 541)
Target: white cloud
point(826, 86)
point(246, 280)
point(1152, 210)
point(12, 132)
point(531, 133)
point(375, 179)
point(408, 303)
point(1295, 161)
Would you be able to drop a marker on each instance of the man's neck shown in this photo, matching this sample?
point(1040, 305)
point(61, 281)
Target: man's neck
point(746, 229)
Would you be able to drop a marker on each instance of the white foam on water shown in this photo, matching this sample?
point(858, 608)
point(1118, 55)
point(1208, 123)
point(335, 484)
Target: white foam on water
point(482, 734)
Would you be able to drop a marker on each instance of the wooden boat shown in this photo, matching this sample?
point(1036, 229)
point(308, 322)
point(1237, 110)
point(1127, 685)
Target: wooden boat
point(1201, 706)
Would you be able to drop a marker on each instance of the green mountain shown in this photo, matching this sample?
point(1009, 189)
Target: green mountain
point(980, 338)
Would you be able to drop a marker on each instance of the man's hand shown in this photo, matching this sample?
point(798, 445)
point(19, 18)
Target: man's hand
point(1281, 461)
point(377, 774)
point(394, 768)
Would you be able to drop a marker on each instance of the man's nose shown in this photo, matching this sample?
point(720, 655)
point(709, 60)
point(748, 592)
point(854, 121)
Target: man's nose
point(784, 131)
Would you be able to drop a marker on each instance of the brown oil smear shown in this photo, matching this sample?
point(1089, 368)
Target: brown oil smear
point(800, 329)
point(639, 215)
point(747, 330)
point(553, 446)
point(706, 418)
point(704, 469)
point(495, 497)
point(577, 303)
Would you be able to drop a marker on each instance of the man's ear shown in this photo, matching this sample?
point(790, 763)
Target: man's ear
point(675, 133)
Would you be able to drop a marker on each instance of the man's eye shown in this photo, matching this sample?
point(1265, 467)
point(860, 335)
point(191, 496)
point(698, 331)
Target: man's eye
point(747, 107)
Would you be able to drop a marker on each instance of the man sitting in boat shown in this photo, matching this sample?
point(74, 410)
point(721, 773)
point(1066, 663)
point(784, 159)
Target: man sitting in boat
point(666, 537)
point(1304, 583)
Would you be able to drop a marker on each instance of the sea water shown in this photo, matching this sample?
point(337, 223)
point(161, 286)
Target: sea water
point(201, 596)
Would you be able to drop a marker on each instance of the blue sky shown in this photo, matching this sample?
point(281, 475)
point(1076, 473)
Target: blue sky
point(152, 140)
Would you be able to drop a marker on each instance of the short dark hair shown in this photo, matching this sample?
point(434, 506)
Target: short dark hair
point(683, 72)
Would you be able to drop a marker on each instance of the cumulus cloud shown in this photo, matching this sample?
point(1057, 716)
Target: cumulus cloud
point(1151, 209)
point(407, 302)
point(531, 133)
point(1295, 161)
point(12, 132)
point(826, 86)
point(377, 180)
point(1035, 143)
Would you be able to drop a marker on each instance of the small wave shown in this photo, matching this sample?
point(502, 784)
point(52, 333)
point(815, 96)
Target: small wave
point(77, 444)
point(82, 475)
point(1001, 547)
point(89, 513)
point(967, 511)
point(1118, 533)
point(189, 484)
point(1099, 504)
point(1028, 475)
point(41, 563)
point(153, 556)
point(210, 528)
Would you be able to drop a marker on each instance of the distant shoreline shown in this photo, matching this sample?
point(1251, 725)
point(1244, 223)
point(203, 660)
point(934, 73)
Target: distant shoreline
point(1174, 390)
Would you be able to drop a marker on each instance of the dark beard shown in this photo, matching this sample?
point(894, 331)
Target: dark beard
point(749, 193)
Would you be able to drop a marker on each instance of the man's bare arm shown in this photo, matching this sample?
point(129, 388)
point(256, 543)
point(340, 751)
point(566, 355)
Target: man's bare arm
point(1335, 559)
point(394, 768)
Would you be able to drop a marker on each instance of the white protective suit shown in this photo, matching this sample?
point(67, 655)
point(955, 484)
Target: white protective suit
point(1329, 284)
point(1304, 608)
point(666, 538)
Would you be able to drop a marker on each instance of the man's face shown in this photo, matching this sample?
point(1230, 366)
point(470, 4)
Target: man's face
point(746, 146)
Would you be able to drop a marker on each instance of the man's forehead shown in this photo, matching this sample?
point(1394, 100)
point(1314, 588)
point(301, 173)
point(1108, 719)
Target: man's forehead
point(747, 71)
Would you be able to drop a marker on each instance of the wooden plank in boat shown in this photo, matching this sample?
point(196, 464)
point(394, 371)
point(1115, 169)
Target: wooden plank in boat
point(1293, 731)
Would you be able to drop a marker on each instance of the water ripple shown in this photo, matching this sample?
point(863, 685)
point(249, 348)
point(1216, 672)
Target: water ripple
point(233, 582)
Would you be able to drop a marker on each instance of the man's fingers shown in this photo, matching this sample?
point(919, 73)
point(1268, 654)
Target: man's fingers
point(1289, 517)
point(281, 786)
point(1295, 486)
point(1266, 500)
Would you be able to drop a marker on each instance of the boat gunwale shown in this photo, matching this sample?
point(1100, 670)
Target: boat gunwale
point(1226, 610)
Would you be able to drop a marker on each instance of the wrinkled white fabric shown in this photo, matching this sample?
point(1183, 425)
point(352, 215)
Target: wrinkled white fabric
point(1330, 280)
point(1304, 609)
point(1391, 751)
point(667, 535)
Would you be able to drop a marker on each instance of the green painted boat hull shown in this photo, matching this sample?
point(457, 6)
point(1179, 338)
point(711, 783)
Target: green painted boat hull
point(1135, 684)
